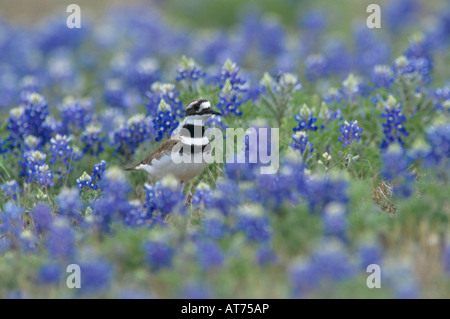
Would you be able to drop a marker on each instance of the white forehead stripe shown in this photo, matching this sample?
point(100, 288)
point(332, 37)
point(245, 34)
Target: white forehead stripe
point(205, 105)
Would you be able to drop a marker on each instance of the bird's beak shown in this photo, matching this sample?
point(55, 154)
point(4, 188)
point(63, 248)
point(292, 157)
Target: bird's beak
point(214, 112)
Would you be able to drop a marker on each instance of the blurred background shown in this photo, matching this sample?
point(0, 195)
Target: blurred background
point(311, 38)
point(110, 70)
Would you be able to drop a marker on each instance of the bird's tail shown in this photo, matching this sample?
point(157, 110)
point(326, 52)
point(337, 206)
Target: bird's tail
point(131, 167)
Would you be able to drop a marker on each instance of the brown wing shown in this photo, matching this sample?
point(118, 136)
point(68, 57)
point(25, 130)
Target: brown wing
point(162, 149)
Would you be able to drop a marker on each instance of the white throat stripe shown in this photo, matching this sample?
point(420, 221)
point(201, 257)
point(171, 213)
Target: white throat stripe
point(196, 141)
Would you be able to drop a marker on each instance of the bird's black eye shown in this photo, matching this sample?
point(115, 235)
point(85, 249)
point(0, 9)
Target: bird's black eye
point(196, 106)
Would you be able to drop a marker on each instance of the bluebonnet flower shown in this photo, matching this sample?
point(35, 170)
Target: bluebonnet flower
point(29, 84)
point(61, 150)
point(44, 176)
point(50, 273)
point(227, 196)
point(5, 244)
point(42, 217)
point(240, 168)
point(229, 102)
point(11, 218)
point(28, 241)
point(216, 121)
point(168, 93)
point(333, 95)
point(441, 98)
point(128, 138)
point(253, 93)
point(272, 38)
point(350, 132)
point(75, 114)
point(29, 119)
point(418, 151)
point(253, 223)
point(272, 192)
point(2, 144)
point(266, 255)
point(393, 128)
point(159, 253)
point(36, 169)
point(439, 139)
point(51, 127)
point(69, 204)
point(395, 170)
point(96, 275)
point(165, 121)
point(339, 57)
point(232, 86)
point(16, 294)
point(332, 262)
point(209, 255)
point(62, 72)
point(144, 73)
point(60, 240)
point(382, 76)
point(189, 72)
point(301, 142)
point(315, 20)
point(303, 278)
point(196, 291)
point(419, 47)
point(164, 196)
point(369, 51)
point(412, 69)
point(370, 253)
point(110, 119)
point(114, 204)
point(54, 35)
point(214, 225)
point(446, 259)
point(305, 120)
point(351, 88)
point(320, 191)
point(230, 71)
point(407, 290)
point(137, 216)
point(401, 14)
point(8, 80)
point(202, 195)
point(213, 46)
point(401, 279)
point(85, 180)
point(35, 113)
point(99, 170)
point(92, 140)
point(257, 147)
point(335, 221)
point(11, 189)
point(133, 294)
point(292, 179)
point(114, 94)
point(326, 113)
point(32, 143)
point(316, 67)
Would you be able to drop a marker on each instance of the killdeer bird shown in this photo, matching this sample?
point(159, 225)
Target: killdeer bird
point(182, 155)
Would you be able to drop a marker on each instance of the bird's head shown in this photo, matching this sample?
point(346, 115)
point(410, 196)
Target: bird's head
point(200, 110)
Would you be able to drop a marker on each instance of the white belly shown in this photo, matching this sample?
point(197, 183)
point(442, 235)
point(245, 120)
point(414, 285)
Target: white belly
point(182, 171)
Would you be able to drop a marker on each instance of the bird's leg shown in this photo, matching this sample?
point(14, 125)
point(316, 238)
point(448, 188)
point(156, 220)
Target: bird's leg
point(188, 193)
point(183, 185)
